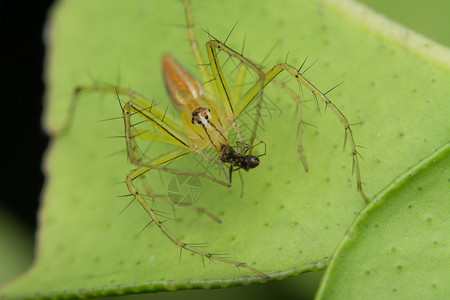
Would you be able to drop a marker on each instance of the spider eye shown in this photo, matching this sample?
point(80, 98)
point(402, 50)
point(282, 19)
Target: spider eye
point(199, 121)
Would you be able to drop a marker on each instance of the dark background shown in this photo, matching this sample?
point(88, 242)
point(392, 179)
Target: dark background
point(23, 141)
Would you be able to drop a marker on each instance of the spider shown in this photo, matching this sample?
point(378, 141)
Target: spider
point(206, 124)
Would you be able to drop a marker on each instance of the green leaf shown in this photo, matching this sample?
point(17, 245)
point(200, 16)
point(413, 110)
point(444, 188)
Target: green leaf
point(289, 221)
point(398, 246)
point(429, 18)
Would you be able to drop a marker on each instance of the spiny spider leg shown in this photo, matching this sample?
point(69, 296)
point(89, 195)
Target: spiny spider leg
point(265, 78)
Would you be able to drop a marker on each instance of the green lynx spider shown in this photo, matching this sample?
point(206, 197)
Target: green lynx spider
point(206, 124)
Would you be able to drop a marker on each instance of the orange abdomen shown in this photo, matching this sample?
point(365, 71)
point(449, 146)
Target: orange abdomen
point(181, 85)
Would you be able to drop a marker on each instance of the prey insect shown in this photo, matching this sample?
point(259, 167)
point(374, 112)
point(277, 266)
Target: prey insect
point(209, 112)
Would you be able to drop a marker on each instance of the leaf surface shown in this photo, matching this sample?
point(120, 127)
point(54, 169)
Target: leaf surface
point(288, 221)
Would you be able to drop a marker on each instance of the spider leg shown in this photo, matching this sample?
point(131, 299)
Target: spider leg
point(257, 89)
point(130, 107)
point(137, 173)
point(200, 210)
